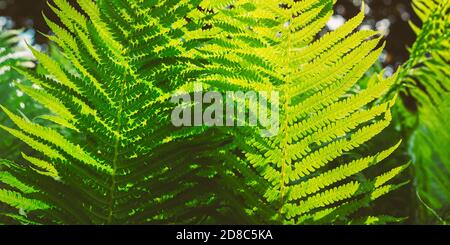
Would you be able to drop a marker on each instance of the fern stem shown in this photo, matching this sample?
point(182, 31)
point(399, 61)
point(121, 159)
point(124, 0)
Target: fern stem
point(431, 210)
point(285, 123)
point(116, 156)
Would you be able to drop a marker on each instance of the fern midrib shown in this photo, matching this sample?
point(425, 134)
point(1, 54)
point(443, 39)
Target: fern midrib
point(116, 155)
point(286, 100)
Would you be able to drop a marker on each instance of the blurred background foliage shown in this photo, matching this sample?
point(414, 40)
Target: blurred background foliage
point(425, 200)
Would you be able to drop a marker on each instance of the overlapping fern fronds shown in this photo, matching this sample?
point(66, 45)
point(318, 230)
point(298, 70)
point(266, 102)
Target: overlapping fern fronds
point(427, 78)
point(307, 172)
point(111, 154)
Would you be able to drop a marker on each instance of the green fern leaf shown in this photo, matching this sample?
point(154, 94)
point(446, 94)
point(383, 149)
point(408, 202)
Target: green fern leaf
point(306, 168)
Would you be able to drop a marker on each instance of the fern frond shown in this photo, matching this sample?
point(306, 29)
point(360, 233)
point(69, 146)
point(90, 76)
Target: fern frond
point(11, 54)
point(14, 53)
point(108, 152)
point(324, 114)
point(426, 78)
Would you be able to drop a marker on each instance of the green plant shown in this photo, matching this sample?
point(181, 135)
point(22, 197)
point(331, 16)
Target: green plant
point(426, 78)
point(308, 173)
point(111, 155)
point(13, 53)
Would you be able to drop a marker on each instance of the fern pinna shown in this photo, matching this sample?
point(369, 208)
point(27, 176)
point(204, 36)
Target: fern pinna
point(306, 173)
point(113, 156)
